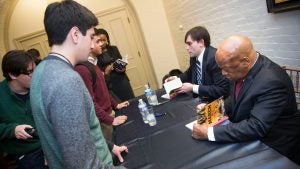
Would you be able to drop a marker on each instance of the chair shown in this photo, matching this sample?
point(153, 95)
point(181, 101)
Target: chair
point(294, 74)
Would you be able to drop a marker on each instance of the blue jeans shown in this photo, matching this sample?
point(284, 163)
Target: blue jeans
point(33, 160)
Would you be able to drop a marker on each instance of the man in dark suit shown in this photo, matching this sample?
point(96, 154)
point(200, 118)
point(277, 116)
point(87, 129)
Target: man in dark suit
point(262, 101)
point(203, 77)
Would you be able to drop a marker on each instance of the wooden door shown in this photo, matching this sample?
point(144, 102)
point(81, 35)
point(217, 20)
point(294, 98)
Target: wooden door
point(124, 35)
point(36, 40)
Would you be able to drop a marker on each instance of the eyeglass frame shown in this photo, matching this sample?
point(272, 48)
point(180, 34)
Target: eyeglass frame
point(28, 72)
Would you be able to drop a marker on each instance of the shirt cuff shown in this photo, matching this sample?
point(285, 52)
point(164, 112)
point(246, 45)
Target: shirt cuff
point(210, 134)
point(195, 88)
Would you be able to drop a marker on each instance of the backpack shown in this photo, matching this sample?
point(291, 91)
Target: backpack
point(91, 68)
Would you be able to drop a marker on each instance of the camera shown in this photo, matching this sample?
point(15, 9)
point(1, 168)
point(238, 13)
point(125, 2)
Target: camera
point(119, 64)
point(31, 131)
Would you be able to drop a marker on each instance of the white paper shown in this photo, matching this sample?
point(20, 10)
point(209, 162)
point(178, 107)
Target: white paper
point(126, 58)
point(190, 125)
point(171, 85)
point(165, 96)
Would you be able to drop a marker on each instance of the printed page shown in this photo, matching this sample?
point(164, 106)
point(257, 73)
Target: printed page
point(172, 85)
point(190, 125)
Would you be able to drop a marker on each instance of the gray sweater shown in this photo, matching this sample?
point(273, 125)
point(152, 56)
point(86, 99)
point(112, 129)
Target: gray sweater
point(63, 110)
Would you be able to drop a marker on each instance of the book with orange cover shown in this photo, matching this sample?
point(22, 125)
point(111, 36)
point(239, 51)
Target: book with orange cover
point(213, 113)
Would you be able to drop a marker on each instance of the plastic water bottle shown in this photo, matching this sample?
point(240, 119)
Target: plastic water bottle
point(143, 110)
point(151, 117)
point(148, 94)
point(151, 96)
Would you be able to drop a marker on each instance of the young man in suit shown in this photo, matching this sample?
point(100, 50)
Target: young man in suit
point(203, 77)
point(262, 102)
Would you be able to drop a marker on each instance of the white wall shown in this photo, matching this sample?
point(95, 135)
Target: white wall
point(4, 7)
point(154, 24)
point(28, 15)
point(100, 5)
point(275, 35)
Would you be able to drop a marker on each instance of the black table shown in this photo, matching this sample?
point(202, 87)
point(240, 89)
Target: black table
point(169, 144)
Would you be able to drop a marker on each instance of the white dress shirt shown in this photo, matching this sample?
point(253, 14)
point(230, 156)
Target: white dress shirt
point(200, 59)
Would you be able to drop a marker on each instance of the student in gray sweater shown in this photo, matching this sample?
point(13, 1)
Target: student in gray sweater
point(63, 110)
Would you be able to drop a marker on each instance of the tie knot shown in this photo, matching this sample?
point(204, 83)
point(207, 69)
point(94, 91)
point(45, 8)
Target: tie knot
point(239, 82)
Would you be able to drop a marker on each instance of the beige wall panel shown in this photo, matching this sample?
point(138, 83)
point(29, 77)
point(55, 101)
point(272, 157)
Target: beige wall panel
point(153, 21)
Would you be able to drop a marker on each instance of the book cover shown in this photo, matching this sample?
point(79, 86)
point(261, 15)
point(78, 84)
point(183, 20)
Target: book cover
point(119, 64)
point(213, 113)
point(172, 87)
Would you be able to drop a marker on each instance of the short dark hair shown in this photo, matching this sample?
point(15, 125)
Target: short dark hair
point(34, 53)
point(197, 33)
point(165, 77)
point(97, 31)
point(60, 17)
point(175, 72)
point(15, 62)
point(104, 32)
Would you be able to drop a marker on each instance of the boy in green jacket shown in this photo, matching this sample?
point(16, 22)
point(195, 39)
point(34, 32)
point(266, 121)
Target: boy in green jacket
point(17, 135)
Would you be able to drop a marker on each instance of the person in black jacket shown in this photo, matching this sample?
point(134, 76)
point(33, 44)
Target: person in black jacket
point(116, 79)
point(203, 77)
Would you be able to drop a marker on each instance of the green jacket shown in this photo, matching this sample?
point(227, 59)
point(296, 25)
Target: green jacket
point(13, 112)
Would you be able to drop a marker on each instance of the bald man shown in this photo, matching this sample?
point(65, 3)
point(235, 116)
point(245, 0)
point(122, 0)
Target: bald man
point(262, 102)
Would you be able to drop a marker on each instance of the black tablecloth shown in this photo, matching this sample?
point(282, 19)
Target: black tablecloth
point(169, 144)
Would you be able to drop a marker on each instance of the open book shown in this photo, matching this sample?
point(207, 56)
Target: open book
point(213, 113)
point(171, 88)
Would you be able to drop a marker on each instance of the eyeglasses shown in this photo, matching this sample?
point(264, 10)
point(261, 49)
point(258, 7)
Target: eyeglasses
point(27, 72)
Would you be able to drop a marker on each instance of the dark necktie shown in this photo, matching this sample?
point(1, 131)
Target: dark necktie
point(238, 86)
point(198, 72)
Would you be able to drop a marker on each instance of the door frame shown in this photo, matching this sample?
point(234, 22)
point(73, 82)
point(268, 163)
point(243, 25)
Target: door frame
point(139, 38)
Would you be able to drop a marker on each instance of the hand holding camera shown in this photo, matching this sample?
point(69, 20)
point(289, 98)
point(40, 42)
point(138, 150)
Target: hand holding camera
point(31, 131)
point(25, 131)
point(119, 65)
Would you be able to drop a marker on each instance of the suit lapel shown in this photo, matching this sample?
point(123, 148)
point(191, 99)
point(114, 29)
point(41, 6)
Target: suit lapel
point(247, 84)
point(204, 64)
point(248, 81)
point(193, 66)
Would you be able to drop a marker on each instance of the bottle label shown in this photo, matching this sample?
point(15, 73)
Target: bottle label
point(144, 109)
point(148, 93)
